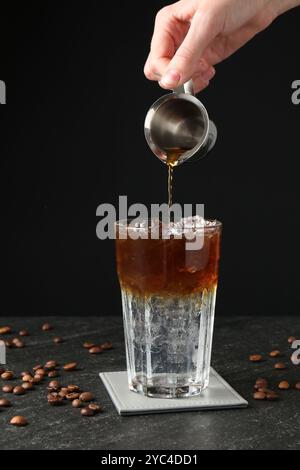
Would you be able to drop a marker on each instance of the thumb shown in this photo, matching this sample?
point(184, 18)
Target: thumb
point(181, 68)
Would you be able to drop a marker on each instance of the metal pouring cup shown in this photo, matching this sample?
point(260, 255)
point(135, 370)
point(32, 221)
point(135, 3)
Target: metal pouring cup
point(179, 120)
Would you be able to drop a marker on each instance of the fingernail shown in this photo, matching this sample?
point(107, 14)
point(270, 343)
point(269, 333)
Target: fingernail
point(208, 75)
point(170, 79)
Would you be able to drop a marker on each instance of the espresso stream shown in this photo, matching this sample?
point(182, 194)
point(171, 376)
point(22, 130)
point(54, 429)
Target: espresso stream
point(173, 155)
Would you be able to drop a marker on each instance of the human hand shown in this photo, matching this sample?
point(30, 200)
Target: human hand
point(191, 36)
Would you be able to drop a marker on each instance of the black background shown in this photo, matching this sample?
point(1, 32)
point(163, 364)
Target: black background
point(72, 138)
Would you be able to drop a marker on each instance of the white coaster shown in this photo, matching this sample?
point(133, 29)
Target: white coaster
point(218, 395)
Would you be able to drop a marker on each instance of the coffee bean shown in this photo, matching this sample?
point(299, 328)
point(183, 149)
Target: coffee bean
point(263, 389)
point(50, 365)
point(291, 339)
point(9, 343)
point(73, 388)
point(4, 403)
point(18, 390)
point(58, 340)
point(55, 400)
point(15, 340)
point(96, 408)
point(19, 344)
point(54, 384)
point(63, 393)
point(297, 385)
point(77, 403)
point(7, 375)
point(261, 382)
point(36, 379)
point(259, 396)
point(255, 357)
point(41, 372)
point(27, 386)
point(274, 353)
point(87, 411)
point(70, 366)
point(270, 395)
point(23, 333)
point(4, 330)
point(46, 327)
point(283, 385)
point(53, 373)
point(27, 378)
point(25, 372)
point(106, 346)
point(72, 396)
point(35, 368)
point(88, 345)
point(280, 365)
point(19, 421)
point(7, 388)
point(95, 350)
point(86, 396)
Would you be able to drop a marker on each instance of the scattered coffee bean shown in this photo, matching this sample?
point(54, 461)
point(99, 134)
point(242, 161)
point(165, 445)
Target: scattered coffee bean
point(23, 333)
point(50, 365)
point(55, 400)
point(95, 350)
point(54, 384)
point(7, 388)
point(7, 375)
point(63, 393)
point(73, 388)
point(274, 353)
point(25, 372)
point(291, 339)
point(41, 372)
point(70, 366)
point(58, 340)
point(35, 368)
point(19, 344)
point(72, 396)
point(96, 408)
point(15, 340)
point(37, 379)
point(283, 385)
point(53, 373)
point(280, 365)
point(261, 382)
point(77, 403)
point(27, 378)
point(259, 396)
point(4, 403)
point(46, 327)
point(19, 421)
point(18, 390)
point(88, 345)
point(106, 346)
point(86, 411)
point(27, 386)
point(255, 357)
point(297, 385)
point(86, 396)
point(5, 330)
point(270, 395)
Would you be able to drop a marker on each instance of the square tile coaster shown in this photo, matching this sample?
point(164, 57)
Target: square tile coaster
point(218, 395)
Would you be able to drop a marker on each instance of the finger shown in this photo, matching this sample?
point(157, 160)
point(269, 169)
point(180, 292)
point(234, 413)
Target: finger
point(181, 68)
point(162, 45)
point(201, 80)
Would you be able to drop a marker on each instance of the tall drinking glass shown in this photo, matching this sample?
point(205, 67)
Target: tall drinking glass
point(168, 298)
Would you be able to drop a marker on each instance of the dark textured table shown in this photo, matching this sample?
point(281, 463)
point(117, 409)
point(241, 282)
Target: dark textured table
point(263, 425)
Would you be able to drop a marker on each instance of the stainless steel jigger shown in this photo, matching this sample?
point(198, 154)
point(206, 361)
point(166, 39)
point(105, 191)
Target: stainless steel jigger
point(179, 120)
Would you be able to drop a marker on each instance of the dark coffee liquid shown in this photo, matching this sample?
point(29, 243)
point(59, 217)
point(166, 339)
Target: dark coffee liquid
point(173, 155)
